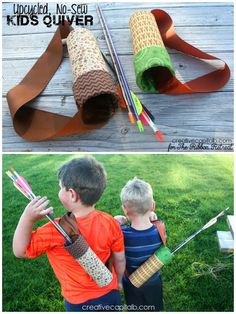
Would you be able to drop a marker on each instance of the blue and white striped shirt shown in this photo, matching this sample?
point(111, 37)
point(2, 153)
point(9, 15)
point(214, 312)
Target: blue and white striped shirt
point(139, 245)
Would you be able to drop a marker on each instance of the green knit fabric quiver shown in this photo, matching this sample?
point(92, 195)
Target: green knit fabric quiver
point(164, 255)
point(150, 58)
point(153, 264)
point(150, 53)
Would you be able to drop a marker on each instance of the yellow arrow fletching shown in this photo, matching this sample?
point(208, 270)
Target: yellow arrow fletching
point(137, 103)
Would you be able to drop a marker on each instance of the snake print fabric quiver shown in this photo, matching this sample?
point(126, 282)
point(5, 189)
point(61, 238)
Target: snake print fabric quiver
point(93, 86)
point(83, 254)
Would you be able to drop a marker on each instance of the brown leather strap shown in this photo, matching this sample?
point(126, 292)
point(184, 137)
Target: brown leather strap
point(206, 83)
point(34, 124)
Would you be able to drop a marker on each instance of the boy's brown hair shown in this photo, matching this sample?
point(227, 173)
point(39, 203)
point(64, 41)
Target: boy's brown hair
point(86, 176)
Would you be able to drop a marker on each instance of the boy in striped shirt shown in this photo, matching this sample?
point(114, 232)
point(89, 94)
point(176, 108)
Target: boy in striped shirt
point(142, 239)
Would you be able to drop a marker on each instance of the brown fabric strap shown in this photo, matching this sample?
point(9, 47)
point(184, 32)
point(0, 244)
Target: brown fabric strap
point(69, 225)
point(162, 230)
point(35, 124)
point(207, 83)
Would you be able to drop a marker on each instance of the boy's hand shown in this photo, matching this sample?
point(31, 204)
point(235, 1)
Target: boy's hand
point(121, 219)
point(37, 208)
point(152, 216)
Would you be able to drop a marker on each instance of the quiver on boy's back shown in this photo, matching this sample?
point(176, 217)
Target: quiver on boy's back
point(83, 254)
point(161, 257)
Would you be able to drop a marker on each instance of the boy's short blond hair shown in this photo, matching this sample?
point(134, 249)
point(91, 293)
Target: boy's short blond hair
point(137, 196)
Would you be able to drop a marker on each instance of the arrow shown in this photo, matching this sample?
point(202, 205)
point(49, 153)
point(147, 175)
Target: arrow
point(119, 71)
point(207, 225)
point(23, 186)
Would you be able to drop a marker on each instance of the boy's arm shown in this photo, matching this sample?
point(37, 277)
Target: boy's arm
point(118, 259)
point(118, 251)
point(34, 211)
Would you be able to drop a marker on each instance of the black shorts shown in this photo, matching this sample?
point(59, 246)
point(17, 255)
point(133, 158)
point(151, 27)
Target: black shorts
point(109, 302)
point(149, 297)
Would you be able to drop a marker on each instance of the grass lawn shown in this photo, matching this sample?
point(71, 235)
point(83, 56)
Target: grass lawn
point(188, 189)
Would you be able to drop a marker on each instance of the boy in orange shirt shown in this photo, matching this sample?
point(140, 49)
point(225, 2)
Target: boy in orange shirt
point(82, 182)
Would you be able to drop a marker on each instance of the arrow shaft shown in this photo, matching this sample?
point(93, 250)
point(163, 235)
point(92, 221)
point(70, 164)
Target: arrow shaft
point(115, 70)
point(149, 121)
point(207, 225)
point(187, 240)
point(117, 61)
point(58, 227)
point(21, 190)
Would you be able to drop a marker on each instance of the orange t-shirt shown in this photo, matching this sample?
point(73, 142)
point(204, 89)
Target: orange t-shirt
point(103, 234)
